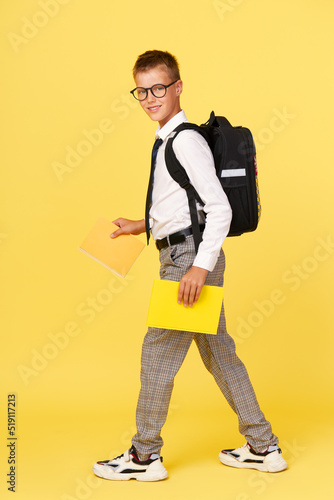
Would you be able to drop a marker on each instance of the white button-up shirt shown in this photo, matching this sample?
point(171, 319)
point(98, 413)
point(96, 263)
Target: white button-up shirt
point(169, 211)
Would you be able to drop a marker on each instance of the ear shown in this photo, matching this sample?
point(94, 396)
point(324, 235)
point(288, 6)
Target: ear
point(179, 87)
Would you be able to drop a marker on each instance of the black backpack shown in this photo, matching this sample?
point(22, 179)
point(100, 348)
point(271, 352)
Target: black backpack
point(235, 161)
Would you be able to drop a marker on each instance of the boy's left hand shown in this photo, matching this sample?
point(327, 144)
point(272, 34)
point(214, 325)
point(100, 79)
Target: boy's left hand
point(191, 285)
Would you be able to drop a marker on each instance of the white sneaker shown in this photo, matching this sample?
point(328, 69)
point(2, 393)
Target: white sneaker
point(246, 458)
point(128, 466)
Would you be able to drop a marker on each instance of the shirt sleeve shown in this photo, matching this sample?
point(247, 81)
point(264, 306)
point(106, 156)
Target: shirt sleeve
point(194, 154)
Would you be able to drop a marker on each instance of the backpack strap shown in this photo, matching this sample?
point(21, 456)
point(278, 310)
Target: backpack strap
point(178, 173)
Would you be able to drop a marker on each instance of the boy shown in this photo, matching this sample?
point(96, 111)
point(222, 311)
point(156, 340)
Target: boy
point(158, 90)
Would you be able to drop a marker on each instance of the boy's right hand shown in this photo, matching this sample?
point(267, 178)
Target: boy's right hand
point(127, 226)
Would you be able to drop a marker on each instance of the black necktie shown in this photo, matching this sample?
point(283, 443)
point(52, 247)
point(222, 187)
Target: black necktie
point(156, 146)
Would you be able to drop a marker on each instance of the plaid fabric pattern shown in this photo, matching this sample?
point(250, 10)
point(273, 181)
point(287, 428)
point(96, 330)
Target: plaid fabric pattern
point(163, 353)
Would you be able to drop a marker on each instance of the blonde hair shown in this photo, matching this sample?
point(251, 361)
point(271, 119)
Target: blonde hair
point(154, 58)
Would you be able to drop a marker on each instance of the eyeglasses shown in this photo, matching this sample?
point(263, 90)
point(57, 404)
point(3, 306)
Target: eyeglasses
point(158, 90)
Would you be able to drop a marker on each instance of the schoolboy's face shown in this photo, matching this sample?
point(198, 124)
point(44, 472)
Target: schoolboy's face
point(160, 109)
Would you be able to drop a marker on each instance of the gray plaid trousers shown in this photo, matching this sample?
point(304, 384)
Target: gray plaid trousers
point(163, 353)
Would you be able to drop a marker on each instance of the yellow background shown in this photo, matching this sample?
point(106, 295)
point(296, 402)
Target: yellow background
point(66, 70)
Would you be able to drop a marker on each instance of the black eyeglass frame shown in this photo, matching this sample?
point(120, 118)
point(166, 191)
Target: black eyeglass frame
point(151, 89)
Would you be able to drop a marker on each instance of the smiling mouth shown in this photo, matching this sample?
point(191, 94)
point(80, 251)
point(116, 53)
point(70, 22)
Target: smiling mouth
point(154, 108)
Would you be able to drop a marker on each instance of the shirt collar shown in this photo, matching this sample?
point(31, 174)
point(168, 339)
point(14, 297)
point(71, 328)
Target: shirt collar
point(164, 131)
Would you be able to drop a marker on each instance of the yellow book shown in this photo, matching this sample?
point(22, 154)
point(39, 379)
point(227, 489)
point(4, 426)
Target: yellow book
point(165, 312)
point(117, 254)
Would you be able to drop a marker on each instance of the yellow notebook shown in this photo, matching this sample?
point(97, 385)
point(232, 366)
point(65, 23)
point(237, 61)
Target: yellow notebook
point(117, 254)
point(165, 312)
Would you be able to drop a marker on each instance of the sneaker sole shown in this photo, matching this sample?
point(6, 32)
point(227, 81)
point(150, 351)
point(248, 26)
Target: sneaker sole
point(276, 464)
point(106, 472)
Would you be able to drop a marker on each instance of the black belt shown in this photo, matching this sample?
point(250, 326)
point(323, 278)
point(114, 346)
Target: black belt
point(175, 238)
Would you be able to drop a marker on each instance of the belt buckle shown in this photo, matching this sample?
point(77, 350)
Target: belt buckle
point(168, 240)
